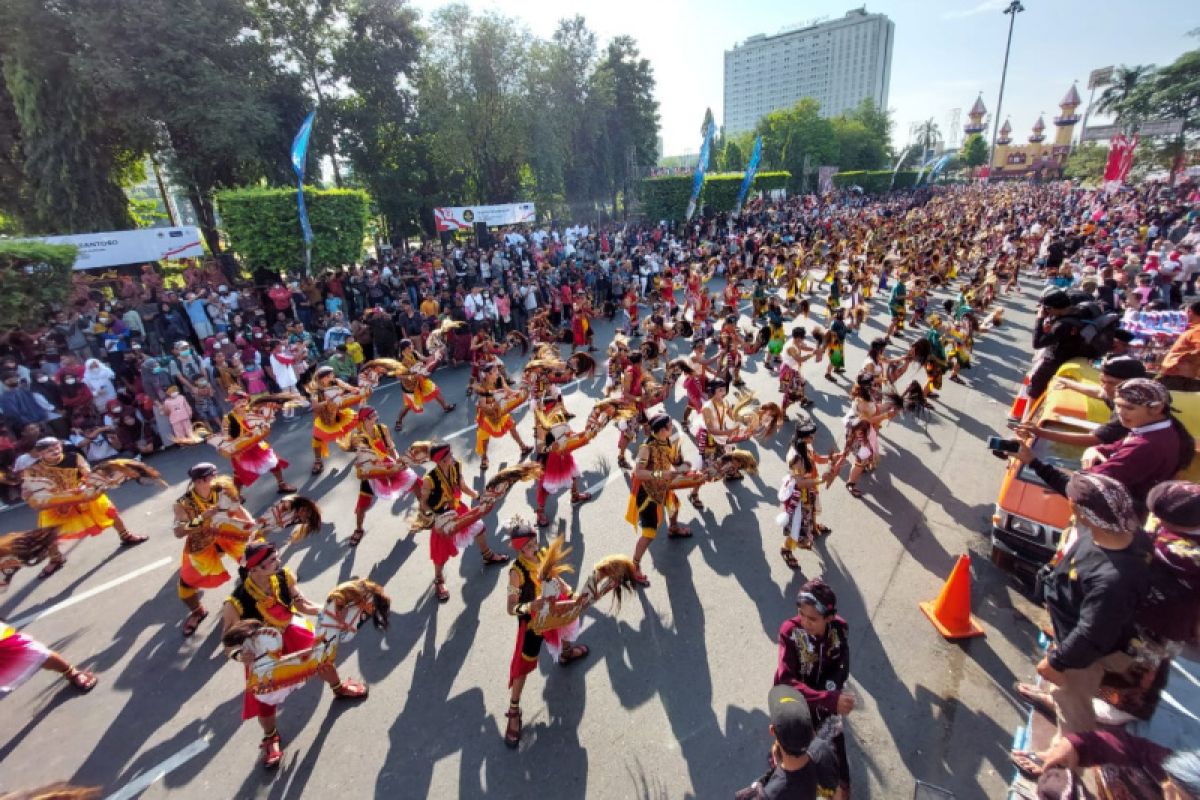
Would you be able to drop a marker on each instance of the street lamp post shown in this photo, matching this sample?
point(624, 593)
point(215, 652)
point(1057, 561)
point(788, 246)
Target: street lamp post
point(1012, 10)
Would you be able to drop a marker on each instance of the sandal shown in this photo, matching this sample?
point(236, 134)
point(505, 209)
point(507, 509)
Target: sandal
point(81, 679)
point(449, 408)
point(318, 467)
point(1040, 700)
point(483, 464)
point(1028, 763)
point(443, 594)
point(285, 488)
point(525, 452)
point(854, 490)
point(52, 566)
point(512, 735)
point(350, 689)
point(958, 380)
point(696, 502)
point(130, 540)
point(640, 578)
point(573, 653)
point(542, 522)
point(789, 558)
point(398, 427)
point(356, 537)
point(193, 621)
point(492, 558)
point(824, 530)
point(622, 462)
point(272, 752)
point(678, 531)
point(578, 498)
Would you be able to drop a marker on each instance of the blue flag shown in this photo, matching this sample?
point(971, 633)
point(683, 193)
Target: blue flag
point(748, 178)
point(300, 145)
point(942, 162)
point(299, 156)
point(698, 176)
point(921, 171)
point(899, 164)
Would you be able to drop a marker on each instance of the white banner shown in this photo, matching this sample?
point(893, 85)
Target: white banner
point(455, 218)
point(114, 248)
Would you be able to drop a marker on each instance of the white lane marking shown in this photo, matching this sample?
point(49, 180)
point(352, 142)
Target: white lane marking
point(75, 599)
point(157, 772)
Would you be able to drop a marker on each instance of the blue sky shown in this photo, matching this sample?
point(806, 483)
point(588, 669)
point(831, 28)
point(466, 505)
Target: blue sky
point(946, 51)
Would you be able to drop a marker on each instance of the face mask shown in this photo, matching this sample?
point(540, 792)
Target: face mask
point(69, 381)
point(43, 378)
point(185, 352)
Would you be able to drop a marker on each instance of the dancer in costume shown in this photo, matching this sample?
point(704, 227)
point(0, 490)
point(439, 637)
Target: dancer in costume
point(493, 417)
point(630, 304)
point(415, 383)
point(581, 326)
point(267, 593)
point(936, 363)
point(659, 461)
point(633, 381)
point(618, 360)
point(59, 487)
point(334, 417)
point(556, 444)
point(529, 592)
point(441, 493)
point(245, 430)
point(800, 494)
point(381, 471)
point(208, 541)
point(835, 344)
point(713, 430)
point(696, 369)
point(791, 378)
point(21, 656)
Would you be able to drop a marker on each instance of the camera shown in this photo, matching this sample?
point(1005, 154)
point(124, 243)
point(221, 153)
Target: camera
point(999, 445)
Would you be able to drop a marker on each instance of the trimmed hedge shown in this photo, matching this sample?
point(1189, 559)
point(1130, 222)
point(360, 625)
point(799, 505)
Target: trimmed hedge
point(263, 226)
point(875, 181)
point(667, 197)
point(35, 278)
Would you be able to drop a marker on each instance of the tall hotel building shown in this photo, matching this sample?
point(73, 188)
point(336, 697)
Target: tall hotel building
point(838, 63)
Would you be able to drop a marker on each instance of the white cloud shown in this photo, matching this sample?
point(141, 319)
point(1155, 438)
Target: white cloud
point(981, 8)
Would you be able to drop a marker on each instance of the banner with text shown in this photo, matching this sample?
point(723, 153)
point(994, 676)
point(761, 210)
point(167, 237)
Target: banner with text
point(115, 248)
point(457, 218)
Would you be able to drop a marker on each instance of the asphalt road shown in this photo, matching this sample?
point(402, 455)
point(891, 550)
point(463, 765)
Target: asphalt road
point(671, 701)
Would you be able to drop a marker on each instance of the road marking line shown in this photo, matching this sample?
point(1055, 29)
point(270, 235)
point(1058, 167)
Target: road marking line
point(157, 772)
point(75, 599)
point(605, 481)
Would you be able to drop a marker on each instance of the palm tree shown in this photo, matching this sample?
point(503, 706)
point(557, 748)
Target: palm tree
point(1126, 97)
point(928, 135)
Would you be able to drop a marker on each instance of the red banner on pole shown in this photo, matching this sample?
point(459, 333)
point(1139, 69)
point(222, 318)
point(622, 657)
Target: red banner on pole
point(1120, 158)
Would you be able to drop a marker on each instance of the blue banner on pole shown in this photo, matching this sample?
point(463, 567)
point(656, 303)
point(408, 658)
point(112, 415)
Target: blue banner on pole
point(899, 163)
point(748, 178)
point(300, 145)
point(698, 176)
point(942, 162)
point(299, 157)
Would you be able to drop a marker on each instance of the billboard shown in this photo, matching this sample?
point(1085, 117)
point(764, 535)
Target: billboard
point(457, 218)
point(114, 248)
point(1154, 127)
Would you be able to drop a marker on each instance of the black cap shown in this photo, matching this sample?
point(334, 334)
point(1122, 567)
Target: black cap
point(1055, 297)
point(791, 719)
point(1123, 368)
point(1176, 504)
point(202, 470)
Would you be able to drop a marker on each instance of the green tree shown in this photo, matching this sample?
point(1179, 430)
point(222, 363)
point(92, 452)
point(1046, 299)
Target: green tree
point(796, 138)
point(35, 279)
point(1127, 98)
point(1175, 94)
point(74, 148)
point(220, 112)
point(1086, 162)
point(627, 116)
point(858, 146)
point(974, 151)
point(876, 120)
point(733, 160)
point(928, 136)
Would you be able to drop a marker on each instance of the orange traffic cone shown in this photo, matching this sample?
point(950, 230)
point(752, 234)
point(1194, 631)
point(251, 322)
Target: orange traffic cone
point(951, 612)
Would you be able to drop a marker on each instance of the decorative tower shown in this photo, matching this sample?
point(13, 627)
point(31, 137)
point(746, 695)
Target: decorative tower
point(1005, 135)
point(975, 117)
point(1038, 136)
point(1068, 119)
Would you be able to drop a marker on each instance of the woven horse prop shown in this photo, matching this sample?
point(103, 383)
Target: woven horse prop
point(272, 675)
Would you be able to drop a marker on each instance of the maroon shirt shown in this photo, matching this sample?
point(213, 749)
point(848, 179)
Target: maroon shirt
point(1146, 457)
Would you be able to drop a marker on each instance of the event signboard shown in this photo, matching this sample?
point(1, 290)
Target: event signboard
point(457, 218)
point(114, 248)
